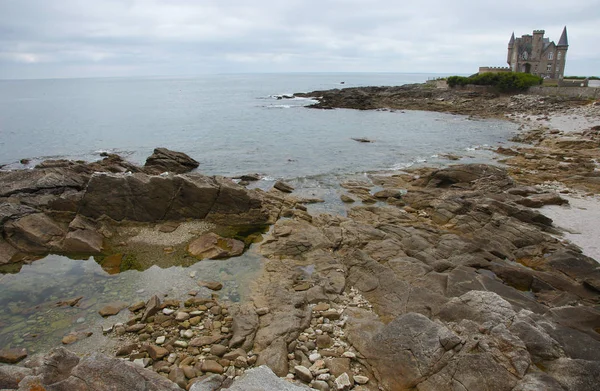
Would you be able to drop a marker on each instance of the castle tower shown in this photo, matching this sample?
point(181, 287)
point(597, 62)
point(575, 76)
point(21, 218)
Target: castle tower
point(511, 45)
point(537, 45)
point(561, 54)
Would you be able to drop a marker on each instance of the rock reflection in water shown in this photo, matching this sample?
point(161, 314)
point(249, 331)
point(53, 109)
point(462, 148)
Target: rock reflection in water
point(31, 317)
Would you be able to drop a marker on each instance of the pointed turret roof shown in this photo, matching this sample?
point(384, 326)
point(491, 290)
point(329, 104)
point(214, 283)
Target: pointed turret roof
point(563, 41)
point(512, 40)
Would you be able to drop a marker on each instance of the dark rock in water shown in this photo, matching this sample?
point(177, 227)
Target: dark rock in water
point(362, 140)
point(12, 356)
point(163, 160)
point(111, 309)
point(24, 161)
point(250, 177)
point(212, 285)
point(388, 193)
point(213, 246)
point(284, 187)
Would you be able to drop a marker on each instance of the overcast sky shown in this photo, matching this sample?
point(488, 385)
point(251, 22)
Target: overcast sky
point(91, 38)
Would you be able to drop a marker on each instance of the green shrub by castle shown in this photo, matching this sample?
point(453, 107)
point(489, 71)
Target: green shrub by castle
point(504, 82)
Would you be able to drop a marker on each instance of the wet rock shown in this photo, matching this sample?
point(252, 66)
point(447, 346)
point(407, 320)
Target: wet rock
point(12, 356)
point(83, 241)
point(213, 246)
point(111, 309)
point(388, 193)
point(212, 285)
point(283, 187)
point(165, 160)
point(347, 199)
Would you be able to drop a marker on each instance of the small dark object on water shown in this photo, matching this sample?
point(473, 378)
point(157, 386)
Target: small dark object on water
point(342, 82)
point(362, 140)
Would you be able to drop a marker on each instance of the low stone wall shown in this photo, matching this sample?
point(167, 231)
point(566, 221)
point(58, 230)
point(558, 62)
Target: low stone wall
point(582, 92)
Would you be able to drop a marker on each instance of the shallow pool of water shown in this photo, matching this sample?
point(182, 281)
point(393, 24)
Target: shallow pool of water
point(30, 316)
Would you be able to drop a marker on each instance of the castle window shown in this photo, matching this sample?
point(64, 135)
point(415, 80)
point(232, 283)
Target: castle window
point(550, 55)
point(549, 67)
point(524, 55)
point(558, 56)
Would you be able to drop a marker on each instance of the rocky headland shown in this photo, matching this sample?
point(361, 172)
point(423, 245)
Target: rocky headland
point(436, 279)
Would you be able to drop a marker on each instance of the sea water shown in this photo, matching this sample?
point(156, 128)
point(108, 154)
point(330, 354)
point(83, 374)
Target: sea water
point(231, 124)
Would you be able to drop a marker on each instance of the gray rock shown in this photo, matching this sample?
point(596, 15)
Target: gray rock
point(479, 306)
point(538, 381)
point(303, 373)
point(284, 187)
point(211, 383)
point(11, 376)
point(575, 375)
point(263, 379)
point(163, 160)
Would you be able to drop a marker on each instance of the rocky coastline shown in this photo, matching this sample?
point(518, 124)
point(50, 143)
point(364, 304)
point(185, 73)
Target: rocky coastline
point(437, 279)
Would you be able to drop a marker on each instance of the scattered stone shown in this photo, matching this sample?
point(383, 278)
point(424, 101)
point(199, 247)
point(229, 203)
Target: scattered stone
point(156, 352)
point(212, 366)
point(212, 285)
point(342, 382)
point(358, 379)
point(347, 199)
point(303, 373)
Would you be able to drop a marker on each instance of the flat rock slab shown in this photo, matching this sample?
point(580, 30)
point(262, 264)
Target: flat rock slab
point(262, 379)
point(12, 356)
point(213, 246)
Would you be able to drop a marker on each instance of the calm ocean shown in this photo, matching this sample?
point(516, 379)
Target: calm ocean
point(231, 124)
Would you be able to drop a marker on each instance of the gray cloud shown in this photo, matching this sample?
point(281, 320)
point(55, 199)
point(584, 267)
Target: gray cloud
point(74, 38)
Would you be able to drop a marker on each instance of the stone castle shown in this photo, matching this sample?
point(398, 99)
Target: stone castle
point(536, 55)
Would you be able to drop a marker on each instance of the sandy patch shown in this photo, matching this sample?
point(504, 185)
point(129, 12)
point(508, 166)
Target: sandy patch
point(184, 233)
point(581, 221)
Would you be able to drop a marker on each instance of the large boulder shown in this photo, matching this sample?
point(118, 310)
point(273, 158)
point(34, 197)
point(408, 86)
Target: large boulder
point(49, 180)
point(406, 351)
point(145, 198)
point(35, 233)
point(260, 379)
point(165, 160)
point(467, 175)
point(62, 370)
